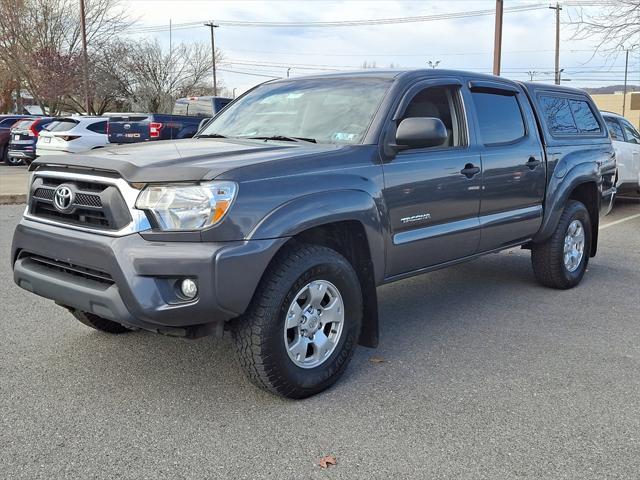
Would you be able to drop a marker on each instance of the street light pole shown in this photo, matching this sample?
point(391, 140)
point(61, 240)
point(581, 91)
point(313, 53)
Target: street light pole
point(212, 25)
point(85, 57)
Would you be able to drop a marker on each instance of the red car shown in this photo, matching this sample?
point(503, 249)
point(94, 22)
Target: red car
point(6, 122)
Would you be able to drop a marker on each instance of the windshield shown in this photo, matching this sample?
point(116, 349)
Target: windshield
point(337, 110)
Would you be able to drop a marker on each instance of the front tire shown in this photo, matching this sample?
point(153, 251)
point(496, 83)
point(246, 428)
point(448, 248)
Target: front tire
point(302, 327)
point(562, 260)
point(99, 323)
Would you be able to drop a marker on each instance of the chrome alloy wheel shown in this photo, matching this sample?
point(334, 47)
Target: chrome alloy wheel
point(574, 246)
point(314, 324)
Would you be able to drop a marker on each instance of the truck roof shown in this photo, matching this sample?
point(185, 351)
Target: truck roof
point(434, 73)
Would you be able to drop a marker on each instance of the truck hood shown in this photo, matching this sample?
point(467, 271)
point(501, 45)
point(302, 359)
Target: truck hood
point(183, 160)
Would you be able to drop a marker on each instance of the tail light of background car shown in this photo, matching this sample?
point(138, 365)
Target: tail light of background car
point(154, 129)
point(32, 128)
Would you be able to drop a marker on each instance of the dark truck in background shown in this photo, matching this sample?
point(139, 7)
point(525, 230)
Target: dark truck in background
point(280, 219)
point(187, 117)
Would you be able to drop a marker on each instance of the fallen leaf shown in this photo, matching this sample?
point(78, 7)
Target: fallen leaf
point(328, 460)
point(376, 360)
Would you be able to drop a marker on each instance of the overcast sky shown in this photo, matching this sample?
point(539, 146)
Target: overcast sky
point(463, 43)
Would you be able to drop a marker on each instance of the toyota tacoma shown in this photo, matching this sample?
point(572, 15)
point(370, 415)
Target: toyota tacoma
point(279, 219)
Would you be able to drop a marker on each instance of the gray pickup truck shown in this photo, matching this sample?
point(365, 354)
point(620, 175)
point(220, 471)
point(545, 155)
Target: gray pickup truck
point(280, 219)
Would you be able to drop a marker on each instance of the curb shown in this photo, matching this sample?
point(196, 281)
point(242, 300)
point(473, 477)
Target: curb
point(13, 199)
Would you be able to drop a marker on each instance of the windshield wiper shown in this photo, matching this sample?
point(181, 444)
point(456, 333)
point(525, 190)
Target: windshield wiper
point(284, 138)
point(211, 135)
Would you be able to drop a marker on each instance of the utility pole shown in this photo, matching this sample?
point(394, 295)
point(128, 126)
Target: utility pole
point(288, 70)
point(170, 38)
point(626, 71)
point(624, 92)
point(557, 8)
point(532, 73)
point(85, 57)
point(212, 25)
point(497, 42)
point(433, 64)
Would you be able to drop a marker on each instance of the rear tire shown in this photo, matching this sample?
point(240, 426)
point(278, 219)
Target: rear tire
point(99, 323)
point(266, 346)
point(4, 156)
point(562, 260)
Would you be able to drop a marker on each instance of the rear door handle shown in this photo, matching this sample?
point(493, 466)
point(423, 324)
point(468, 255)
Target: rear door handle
point(533, 162)
point(470, 170)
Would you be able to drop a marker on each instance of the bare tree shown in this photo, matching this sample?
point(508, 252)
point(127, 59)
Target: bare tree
point(615, 25)
point(157, 77)
point(40, 43)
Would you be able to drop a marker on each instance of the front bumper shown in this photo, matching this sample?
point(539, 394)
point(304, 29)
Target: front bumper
point(135, 283)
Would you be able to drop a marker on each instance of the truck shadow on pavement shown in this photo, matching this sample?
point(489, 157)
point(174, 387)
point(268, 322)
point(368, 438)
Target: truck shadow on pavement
point(415, 314)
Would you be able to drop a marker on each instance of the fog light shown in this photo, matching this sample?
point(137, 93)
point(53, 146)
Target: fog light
point(189, 288)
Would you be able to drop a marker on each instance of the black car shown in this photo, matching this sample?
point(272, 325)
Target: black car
point(23, 138)
point(6, 122)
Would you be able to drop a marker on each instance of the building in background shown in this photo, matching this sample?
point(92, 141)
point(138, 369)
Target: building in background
point(612, 102)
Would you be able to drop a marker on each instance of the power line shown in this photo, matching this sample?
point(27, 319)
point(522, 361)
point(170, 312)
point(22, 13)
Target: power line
point(341, 23)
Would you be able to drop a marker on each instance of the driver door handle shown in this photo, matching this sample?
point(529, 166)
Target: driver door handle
point(533, 162)
point(470, 170)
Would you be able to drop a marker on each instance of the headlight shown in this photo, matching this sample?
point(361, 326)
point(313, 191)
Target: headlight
point(187, 207)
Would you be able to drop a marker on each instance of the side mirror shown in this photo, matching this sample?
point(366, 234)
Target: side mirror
point(203, 122)
point(420, 132)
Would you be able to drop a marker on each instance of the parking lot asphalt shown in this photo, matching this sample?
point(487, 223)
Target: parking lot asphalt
point(13, 184)
point(485, 375)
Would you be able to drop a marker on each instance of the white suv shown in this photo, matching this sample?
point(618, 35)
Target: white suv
point(72, 135)
point(626, 141)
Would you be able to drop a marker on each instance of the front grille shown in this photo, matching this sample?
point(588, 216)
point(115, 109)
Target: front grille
point(79, 216)
point(95, 205)
point(44, 193)
point(81, 200)
point(69, 268)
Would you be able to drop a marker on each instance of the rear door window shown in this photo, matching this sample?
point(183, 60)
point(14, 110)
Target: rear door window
point(615, 130)
point(499, 117)
point(98, 127)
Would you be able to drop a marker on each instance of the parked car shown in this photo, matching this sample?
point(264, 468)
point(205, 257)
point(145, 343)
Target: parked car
point(24, 136)
point(200, 106)
point(143, 127)
point(280, 219)
point(626, 141)
point(6, 122)
point(73, 135)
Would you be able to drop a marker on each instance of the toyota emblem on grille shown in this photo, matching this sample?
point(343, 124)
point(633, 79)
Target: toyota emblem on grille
point(63, 198)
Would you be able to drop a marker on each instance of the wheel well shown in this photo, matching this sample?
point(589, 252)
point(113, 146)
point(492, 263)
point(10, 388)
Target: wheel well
point(587, 193)
point(350, 240)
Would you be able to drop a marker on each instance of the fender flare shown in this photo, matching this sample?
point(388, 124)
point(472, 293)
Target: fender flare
point(559, 189)
point(323, 208)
